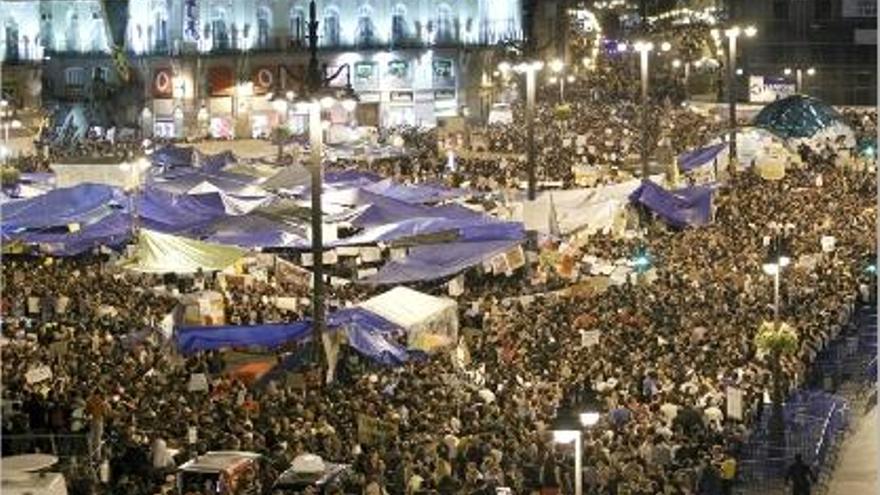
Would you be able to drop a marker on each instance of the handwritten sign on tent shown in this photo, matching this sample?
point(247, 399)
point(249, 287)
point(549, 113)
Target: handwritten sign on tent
point(515, 258)
point(288, 272)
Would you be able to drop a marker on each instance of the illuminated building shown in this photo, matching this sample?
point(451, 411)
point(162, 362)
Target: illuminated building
point(215, 63)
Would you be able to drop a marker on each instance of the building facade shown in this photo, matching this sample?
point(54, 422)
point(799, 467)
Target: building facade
point(836, 38)
point(217, 64)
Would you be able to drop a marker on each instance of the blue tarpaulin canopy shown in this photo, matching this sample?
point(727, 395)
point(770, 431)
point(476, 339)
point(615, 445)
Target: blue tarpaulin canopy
point(172, 156)
point(438, 261)
point(687, 207)
point(699, 157)
point(168, 212)
point(255, 231)
point(368, 333)
point(111, 230)
point(84, 203)
point(416, 193)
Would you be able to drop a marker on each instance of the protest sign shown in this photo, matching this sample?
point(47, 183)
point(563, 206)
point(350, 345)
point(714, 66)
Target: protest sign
point(287, 303)
point(589, 338)
point(38, 374)
point(198, 382)
point(734, 403)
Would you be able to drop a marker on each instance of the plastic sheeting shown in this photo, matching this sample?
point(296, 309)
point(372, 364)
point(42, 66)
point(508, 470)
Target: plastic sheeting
point(438, 261)
point(85, 203)
point(479, 228)
point(688, 207)
point(424, 317)
point(167, 212)
point(699, 157)
point(577, 210)
point(252, 231)
point(173, 156)
point(367, 333)
point(164, 253)
point(112, 230)
point(798, 116)
point(417, 193)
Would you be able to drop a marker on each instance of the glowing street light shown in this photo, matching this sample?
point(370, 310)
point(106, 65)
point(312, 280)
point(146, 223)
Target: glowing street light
point(665, 46)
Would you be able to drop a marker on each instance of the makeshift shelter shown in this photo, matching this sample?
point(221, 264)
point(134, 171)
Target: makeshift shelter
point(798, 116)
point(165, 253)
point(430, 322)
point(289, 177)
point(687, 207)
point(578, 210)
point(205, 308)
point(85, 203)
point(437, 261)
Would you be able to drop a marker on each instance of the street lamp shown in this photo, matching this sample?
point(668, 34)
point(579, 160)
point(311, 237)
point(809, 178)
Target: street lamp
point(565, 431)
point(557, 67)
point(644, 49)
point(799, 76)
point(530, 69)
point(732, 34)
point(778, 257)
point(316, 96)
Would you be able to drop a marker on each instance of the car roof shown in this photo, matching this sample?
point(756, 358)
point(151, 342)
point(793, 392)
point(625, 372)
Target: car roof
point(218, 461)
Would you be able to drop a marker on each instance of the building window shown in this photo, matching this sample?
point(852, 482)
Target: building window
point(75, 77)
point(220, 34)
point(12, 41)
point(822, 9)
point(73, 33)
point(298, 24)
point(444, 27)
point(161, 31)
point(263, 27)
point(100, 74)
point(97, 33)
point(398, 24)
point(780, 10)
point(331, 27)
point(366, 30)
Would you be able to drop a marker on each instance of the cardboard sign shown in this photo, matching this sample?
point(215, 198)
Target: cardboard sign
point(456, 286)
point(371, 254)
point(38, 374)
point(515, 258)
point(734, 403)
point(192, 435)
point(499, 264)
point(33, 305)
point(828, 243)
point(288, 303)
point(589, 338)
point(348, 251)
point(289, 273)
point(198, 382)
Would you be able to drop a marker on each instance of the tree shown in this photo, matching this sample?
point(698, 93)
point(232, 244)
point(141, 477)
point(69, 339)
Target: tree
point(777, 340)
point(280, 135)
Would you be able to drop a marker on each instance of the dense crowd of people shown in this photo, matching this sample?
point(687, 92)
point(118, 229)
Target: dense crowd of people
point(663, 428)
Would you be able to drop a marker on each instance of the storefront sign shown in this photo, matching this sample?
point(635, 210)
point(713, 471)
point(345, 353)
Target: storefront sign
point(264, 78)
point(191, 20)
point(444, 94)
point(401, 96)
point(162, 87)
point(442, 69)
point(365, 74)
point(221, 81)
point(764, 89)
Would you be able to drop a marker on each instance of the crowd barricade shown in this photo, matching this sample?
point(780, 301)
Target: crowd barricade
point(816, 420)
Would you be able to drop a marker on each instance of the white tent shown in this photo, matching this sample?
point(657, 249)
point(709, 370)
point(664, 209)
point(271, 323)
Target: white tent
point(165, 253)
point(430, 322)
point(576, 210)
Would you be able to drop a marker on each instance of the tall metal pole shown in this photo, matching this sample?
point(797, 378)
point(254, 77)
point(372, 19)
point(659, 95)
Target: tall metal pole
point(578, 464)
point(561, 89)
point(530, 127)
point(776, 296)
point(313, 82)
point(800, 81)
point(644, 120)
point(731, 94)
point(687, 76)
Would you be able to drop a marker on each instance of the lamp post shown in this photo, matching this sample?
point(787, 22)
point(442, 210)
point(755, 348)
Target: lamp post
point(530, 69)
point(557, 66)
point(778, 257)
point(732, 34)
point(316, 93)
point(799, 77)
point(644, 49)
point(567, 428)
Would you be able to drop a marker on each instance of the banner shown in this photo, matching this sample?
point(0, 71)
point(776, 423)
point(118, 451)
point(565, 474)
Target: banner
point(764, 89)
point(190, 20)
